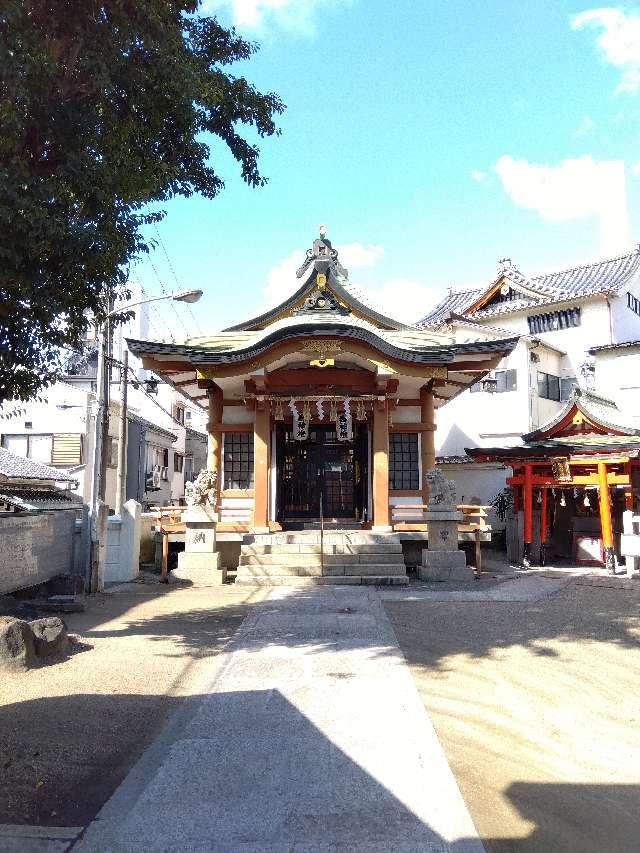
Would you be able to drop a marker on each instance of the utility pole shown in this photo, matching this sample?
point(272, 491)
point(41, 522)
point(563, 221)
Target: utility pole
point(121, 488)
point(97, 509)
point(97, 491)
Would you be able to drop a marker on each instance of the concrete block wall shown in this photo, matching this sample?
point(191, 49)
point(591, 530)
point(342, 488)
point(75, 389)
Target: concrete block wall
point(123, 544)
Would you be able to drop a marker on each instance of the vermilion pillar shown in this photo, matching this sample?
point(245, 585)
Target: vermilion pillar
point(428, 450)
point(605, 518)
point(543, 527)
point(214, 443)
point(261, 468)
point(380, 465)
point(528, 515)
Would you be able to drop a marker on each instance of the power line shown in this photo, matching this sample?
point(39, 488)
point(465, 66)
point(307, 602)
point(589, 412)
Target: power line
point(175, 278)
point(162, 322)
point(140, 385)
point(165, 292)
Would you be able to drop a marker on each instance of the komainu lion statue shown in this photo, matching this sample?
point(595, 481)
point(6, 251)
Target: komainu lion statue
point(442, 492)
point(202, 492)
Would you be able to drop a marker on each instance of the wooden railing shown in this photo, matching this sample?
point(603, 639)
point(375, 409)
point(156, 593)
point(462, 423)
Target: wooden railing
point(168, 520)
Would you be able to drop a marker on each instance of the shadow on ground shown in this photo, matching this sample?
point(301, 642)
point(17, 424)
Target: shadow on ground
point(436, 630)
point(568, 818)
point(250, 771)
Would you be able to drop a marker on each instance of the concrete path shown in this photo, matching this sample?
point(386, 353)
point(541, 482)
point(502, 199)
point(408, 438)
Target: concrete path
point(524, 588)
point(311, 737)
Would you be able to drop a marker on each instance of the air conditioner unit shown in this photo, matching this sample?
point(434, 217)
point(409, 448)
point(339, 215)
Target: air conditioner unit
point(152, 480)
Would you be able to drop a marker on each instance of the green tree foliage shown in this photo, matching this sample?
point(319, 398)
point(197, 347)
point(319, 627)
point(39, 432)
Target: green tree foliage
point(106, 108)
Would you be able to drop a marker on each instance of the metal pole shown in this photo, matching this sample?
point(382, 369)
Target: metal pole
point(321, 536)
point(97, 490)
point(121, 491)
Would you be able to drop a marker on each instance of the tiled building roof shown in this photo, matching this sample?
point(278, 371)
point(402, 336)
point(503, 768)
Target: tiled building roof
point(16, 467)
point(608, 276)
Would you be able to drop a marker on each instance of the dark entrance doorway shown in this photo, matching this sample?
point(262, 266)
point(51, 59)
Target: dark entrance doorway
point(322, 466)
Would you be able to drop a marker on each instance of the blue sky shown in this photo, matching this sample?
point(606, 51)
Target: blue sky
point(431, 138)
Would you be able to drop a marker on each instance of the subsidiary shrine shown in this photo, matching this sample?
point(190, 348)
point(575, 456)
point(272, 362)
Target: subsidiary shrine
point(322, 407)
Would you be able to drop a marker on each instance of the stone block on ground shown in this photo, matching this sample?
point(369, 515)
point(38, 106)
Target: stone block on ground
point(50, 635)
point(17, 644)
point(200, 569)
point(445, 566)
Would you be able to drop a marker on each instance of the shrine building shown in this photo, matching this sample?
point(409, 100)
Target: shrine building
point(322, 407)
point(573, 479)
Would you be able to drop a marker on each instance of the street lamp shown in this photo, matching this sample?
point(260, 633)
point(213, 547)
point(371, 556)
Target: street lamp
point(97, 488)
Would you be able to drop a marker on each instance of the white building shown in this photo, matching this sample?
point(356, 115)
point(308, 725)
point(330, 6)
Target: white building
point(166, 431)
point(578, 326)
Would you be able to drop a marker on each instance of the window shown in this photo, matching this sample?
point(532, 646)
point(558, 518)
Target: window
point(567, 384)
point(548, 386)
point(36, 447)
point(179, 414)
point(238, 460)
point(633, 303)
point(187, 415)
point(554, 320)
point(404, 453)
point(501, 382)
point(178, 462)
point(111, 452)
point(506, 380)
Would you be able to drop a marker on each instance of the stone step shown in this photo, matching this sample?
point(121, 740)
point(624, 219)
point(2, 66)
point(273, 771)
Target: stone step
point(339, 570)
point(317, 559)
point(313, 538)
point(289, 580)
point(327, 548)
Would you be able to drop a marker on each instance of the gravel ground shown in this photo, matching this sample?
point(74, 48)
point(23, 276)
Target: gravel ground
point(537, 706)
point(71, 729)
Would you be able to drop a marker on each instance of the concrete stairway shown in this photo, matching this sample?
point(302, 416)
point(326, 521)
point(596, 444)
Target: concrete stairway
point(294, 559)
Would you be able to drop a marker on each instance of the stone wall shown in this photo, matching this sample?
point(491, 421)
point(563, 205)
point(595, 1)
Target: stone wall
point(35, 548)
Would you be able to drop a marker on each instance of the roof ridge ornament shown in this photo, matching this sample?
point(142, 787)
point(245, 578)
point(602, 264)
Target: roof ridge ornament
point(323, 257)
point(507, 268)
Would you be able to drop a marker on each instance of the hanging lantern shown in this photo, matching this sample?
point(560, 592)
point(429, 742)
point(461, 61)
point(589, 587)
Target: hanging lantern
point(586, 502)
point(333, 411)
point(563, 500)
point(360, 411)
point(539, 497)
point(279, 411)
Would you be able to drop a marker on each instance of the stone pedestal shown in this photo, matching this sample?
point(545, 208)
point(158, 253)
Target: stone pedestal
point(442, 560)
point(200, 561)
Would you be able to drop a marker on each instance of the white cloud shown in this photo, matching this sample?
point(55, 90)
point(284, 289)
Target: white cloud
point(356, 256)
point(586, 126)
point(619, 42)
point(293, 15)
point(575, 189)
point(403, 299)
point(282, 281)
point(479, 176)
